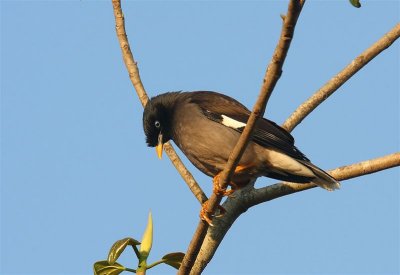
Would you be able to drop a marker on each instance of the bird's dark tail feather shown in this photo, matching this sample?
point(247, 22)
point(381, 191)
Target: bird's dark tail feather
point(322, 179)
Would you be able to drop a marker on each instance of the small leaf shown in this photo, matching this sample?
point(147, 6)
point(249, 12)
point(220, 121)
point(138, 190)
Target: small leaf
point(355, 3)
point(147, 239)
point(104, 268)
point(174, 259)
point(118, 247)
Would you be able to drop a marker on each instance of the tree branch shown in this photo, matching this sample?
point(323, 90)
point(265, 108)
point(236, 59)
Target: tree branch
point(130, 63)
point(273, 73)
point(133, 71)
point(249, 197)
point(185, 173)
point(338, 80)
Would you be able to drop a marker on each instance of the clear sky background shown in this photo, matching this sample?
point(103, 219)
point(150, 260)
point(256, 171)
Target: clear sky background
point(76, 174)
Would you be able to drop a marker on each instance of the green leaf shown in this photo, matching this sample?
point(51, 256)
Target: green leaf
point(118, 247)
point(147, 239)
point(174, 259)
point(355, 3)
point(104, 268)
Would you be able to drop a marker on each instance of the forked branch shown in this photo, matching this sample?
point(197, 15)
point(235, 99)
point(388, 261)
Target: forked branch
point(250, 196)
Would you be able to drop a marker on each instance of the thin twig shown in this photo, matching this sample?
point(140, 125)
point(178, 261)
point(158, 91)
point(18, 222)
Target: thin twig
point(273, 73)
point(249, 197)
point(185, 173)
point(338, 80)
point(133, 71)
point(127, 55)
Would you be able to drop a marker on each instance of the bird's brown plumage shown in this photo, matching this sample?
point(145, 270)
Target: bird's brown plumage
point(197, 123)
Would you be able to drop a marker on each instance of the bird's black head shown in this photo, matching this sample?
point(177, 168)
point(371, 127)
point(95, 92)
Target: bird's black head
point(157, 118)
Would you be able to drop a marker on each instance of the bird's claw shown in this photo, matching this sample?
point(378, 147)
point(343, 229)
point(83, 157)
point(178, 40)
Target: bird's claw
point(206, 216)
point(221, 191)
point(221, 210)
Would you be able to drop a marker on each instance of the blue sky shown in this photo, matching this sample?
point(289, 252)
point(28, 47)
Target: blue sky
point(76, 174)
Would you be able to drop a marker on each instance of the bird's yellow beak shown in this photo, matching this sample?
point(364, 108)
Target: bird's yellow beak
point(159, 147)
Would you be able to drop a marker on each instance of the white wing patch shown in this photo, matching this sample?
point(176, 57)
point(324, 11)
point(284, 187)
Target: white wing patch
point(230, 122)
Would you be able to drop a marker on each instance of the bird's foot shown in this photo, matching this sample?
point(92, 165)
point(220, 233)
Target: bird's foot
point(206, 216)
point(222, 191)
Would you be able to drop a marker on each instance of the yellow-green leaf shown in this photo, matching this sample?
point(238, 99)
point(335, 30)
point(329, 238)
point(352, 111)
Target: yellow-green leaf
point(147, 239)
point(104, 268)
point(118, 247)
point(174, 259)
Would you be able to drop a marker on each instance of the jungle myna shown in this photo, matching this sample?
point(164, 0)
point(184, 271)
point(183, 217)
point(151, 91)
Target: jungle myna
point(207, 125)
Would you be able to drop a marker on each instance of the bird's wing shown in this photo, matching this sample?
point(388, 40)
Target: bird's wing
point(229, 112)
point(268, 132)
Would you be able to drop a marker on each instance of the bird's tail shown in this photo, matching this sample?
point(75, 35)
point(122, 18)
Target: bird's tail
point(322, 179)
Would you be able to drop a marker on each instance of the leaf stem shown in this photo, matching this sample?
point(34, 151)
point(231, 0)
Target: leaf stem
point(130, 270)
point(155, 263)
point(136, 251)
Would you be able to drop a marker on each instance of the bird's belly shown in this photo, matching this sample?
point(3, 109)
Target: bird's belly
point(209, 151)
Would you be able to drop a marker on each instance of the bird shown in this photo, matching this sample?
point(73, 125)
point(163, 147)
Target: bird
point(206, 126)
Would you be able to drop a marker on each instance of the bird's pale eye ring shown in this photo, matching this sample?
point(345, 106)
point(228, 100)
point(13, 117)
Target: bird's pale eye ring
point(157, 124)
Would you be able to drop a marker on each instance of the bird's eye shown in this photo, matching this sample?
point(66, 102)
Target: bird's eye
point(157, 124)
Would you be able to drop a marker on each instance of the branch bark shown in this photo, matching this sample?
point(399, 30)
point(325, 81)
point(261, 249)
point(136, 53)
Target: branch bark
point(273, 73)
point(249, 197)
point(134, 76)
point(338, 80)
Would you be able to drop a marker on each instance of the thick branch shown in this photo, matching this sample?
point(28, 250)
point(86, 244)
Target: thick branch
point(133, 71)
point(249, 196)
point(338, 80)
point(273, 73)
